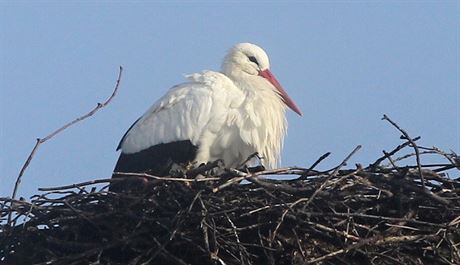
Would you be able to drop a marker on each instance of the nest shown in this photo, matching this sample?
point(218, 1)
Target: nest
point(379, 214)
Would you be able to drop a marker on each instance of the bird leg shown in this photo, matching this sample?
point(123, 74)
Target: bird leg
point(250, 157)
point(181, 170)
point(254, 169)
point(208, 169)
point(245, 168)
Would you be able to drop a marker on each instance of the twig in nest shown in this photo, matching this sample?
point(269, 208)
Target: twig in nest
point(312, 197)
point(54, 133)
point(321, 158)
point(145, 175)
point(419, 165)
point(394, 151)
point(76, 185)
point(414, 145)
point(392, 162)
point(333, 174)
point(240, 175)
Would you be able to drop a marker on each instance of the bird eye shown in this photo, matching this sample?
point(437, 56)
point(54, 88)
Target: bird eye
point(253, 59)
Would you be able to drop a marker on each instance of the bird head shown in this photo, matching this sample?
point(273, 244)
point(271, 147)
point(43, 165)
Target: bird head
point(247, 61)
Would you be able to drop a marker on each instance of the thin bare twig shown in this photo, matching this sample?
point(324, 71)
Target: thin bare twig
point(309, 200)
point(54, 133)
point(394, 151)
point(146, 175)
point(76, 185)
point(321, 158)
point(332, 175)
point(414, 145)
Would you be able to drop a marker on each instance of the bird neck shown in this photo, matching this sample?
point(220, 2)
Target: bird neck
point(265, 115)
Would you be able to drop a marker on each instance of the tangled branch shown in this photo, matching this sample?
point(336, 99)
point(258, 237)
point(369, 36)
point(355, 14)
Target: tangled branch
point(363, 215)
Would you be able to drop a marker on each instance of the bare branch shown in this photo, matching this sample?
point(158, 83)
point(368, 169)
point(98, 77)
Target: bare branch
point(414, 145)
point(333, 174)
point(54, 133)
point(394, 151)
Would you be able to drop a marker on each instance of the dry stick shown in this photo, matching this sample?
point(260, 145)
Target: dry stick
point(452, 157)
point(126, 176)
point(332, 175)
point(417, 153)
point(149, 176)
point(76, 185)
point(290, 206)
point(413, 154)
point(394, 151)
point(378, 217)
point(178, 221)
point(419, 165)
point(268, 184)
point(321, 158)
point(234, 228)
point(54, 133)
point(373, 241)
point(392, 162)
point(324, 156)
point(240, 175)
point(309, 200)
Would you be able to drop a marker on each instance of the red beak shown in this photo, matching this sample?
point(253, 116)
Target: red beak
point(287, 100)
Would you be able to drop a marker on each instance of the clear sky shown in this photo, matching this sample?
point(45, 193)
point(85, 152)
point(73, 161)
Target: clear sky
point(344, 63)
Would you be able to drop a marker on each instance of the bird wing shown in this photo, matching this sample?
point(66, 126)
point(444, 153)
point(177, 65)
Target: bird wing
point(124, 135)
point(183, 113)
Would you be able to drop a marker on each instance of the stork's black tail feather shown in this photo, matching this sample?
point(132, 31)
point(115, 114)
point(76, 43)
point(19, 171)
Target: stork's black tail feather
point(156, 160)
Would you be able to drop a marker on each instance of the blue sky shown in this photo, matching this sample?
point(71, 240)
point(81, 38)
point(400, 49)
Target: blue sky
point(344, 63)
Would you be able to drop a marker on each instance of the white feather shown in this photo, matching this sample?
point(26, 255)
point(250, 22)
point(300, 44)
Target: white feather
point(228, 115)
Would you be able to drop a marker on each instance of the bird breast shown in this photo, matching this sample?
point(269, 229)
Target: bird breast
point(254, 121)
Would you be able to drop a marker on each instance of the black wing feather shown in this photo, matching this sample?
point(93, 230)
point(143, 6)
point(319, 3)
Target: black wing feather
point(124, 135)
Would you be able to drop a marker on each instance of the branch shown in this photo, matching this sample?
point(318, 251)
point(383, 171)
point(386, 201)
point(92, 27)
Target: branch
point(323, 185)
point(333, 174)
point(412, 142)
point(54, 133)
point(398, 148)
point(324, 156)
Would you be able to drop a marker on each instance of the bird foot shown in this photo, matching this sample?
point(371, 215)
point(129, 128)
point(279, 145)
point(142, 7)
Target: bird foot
point(209, 169)
point(178, 170)
point(252, 169)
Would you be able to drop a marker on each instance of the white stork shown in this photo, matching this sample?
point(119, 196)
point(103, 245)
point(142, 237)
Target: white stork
point(226, 115)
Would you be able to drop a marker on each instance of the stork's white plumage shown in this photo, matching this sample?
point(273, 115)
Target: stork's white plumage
point(225, 115)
